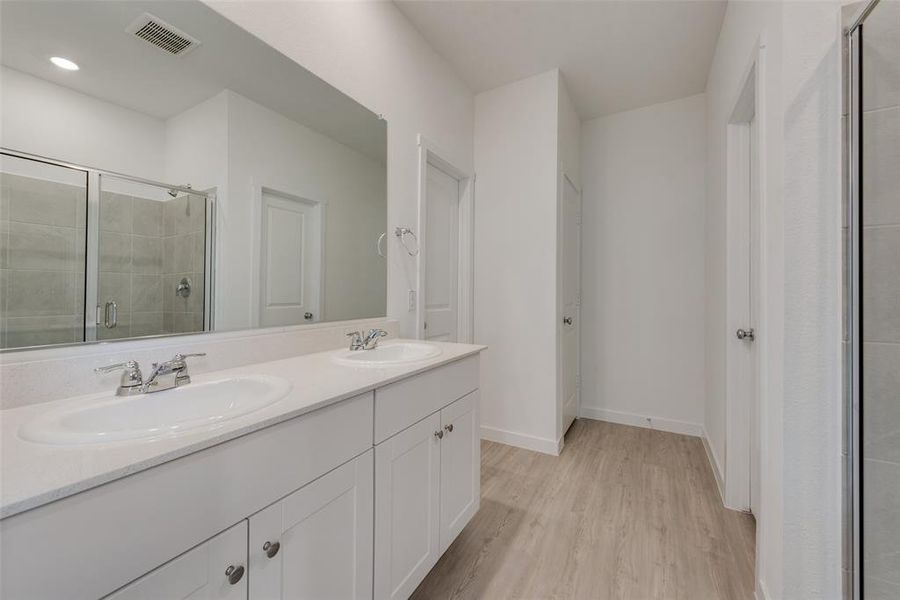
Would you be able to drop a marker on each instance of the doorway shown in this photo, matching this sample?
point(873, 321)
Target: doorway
point(290, 259)
point(570, 302)
point(743, 303)
point(444, 266)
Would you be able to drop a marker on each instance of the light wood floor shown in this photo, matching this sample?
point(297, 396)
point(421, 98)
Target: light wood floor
point(623, 513)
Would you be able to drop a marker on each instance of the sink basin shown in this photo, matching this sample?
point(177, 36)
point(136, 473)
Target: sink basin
point(109, 418)
point(390, 354)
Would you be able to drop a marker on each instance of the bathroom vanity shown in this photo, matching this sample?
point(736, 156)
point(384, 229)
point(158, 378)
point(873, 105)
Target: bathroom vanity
point(350, 485)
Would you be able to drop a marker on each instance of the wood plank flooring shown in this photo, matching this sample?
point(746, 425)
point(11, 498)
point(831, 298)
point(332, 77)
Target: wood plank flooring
point(623, 513)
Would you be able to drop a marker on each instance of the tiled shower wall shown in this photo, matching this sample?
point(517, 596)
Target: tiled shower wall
point(881, 302)
point(42, 243)
point(146, 248)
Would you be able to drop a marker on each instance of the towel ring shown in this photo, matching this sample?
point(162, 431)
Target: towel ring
point(401, 233)
point(378, 245)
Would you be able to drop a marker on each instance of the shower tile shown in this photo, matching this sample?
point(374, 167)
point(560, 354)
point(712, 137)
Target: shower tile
point(178, 254)
point(195, 300)
point(38, 293)
point(881, 401)
point(115, 212)
point(147, 218)
point(878, 589)
point(881, 178)
point(38, 331)
point(147, 254)
point(174, 214)
point(4, 243)
point(198, 243)
point(881, 284)
point(41, 247)
point(115, 287)
point(881, 46)
point(196, 214)
point(43, 202)
point(881, 520)
point(147, 293)
point(147, 323)
point(115, 252)
point(120, 331)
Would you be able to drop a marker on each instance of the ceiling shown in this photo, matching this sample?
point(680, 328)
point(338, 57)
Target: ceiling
point(615, 55)
point(119, 68)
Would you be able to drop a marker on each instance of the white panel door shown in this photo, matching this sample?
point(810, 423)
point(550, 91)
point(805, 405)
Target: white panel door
point(753, 302)
point(441, 256)
point(198, 574)
point(323, 533)
point(291, 260)
point(407, 505)
point(571, 300)
point(460, 467)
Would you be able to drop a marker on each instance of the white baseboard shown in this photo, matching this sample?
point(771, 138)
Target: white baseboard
point(761, 592)
point(625, 418)
point(521, 440)
point(715, 464)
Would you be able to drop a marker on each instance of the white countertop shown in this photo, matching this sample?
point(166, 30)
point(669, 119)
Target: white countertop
point(34, 474)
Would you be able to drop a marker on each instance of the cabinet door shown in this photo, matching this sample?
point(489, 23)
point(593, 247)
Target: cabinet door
point(323, 533)
point(407, 489)
point(460, 466)
point(198, 574)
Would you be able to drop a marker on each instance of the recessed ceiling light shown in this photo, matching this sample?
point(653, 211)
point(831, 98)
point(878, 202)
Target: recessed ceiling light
point(64, 63)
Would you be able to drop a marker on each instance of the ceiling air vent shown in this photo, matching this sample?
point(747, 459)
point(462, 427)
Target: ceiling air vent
point(164, 36)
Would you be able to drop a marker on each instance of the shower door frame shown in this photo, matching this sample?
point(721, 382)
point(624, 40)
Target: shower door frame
point(92, 241)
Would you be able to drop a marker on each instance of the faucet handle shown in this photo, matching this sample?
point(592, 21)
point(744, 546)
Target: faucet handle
point(131, 374)
point(180, 357)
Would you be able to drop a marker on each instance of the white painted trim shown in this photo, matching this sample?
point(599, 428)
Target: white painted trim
point(645, 421)
point(716, 465)
point(430, 153)
point(521, 440)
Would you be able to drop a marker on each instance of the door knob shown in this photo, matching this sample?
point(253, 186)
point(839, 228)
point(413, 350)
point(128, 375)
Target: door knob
point(449, 428)
point(439, 434)
point(567, 320)
point(271, 548)
point(308, 316)
point(234, 573)
point(746, 334)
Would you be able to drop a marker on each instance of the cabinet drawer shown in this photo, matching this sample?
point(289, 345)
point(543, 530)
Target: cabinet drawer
point(399, 405)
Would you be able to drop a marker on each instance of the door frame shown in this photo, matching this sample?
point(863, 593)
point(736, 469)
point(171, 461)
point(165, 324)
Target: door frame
point(430, 153)
point(565, 179)
point(256, 250)
point(748, 105)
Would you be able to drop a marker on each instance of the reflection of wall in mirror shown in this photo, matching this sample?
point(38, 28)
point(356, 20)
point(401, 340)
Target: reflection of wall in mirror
point(234, 145)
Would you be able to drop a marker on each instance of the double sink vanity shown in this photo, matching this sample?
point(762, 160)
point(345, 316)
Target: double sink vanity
point(337, 474)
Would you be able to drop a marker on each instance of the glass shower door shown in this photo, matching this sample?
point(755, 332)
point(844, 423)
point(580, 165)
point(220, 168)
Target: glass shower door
point(152, 260)
point(43, 215)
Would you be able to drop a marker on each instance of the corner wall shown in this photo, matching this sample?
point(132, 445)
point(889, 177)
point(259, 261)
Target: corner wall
point(516, 147)
point(643, 266)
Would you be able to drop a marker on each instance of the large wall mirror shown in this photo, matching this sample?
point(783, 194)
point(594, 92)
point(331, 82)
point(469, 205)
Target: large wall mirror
point(164, 172)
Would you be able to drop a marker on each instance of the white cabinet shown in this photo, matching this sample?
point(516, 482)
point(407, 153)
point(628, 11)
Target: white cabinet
point(214, 570)
point(316, 543)
point(460, 467)
point(407, 504)
point(427, 488)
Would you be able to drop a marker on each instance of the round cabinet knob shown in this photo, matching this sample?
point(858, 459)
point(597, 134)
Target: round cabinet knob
point(449, 428)
point(234, 573)
point(271, 548)
point(439, 434)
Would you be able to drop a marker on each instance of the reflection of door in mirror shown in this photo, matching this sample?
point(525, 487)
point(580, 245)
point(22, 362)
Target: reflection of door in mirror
point(152, 260)
point(291, 260)
point(42, 230)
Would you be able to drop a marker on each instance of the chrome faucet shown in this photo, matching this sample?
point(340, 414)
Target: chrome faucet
point(367, 342)
point(166, 375)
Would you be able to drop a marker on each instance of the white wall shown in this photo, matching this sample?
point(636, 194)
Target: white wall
point(515, 267)
point(798, 531)
point(40, 117)
point(643, 266)
point(370, 51)
point(267, 149)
